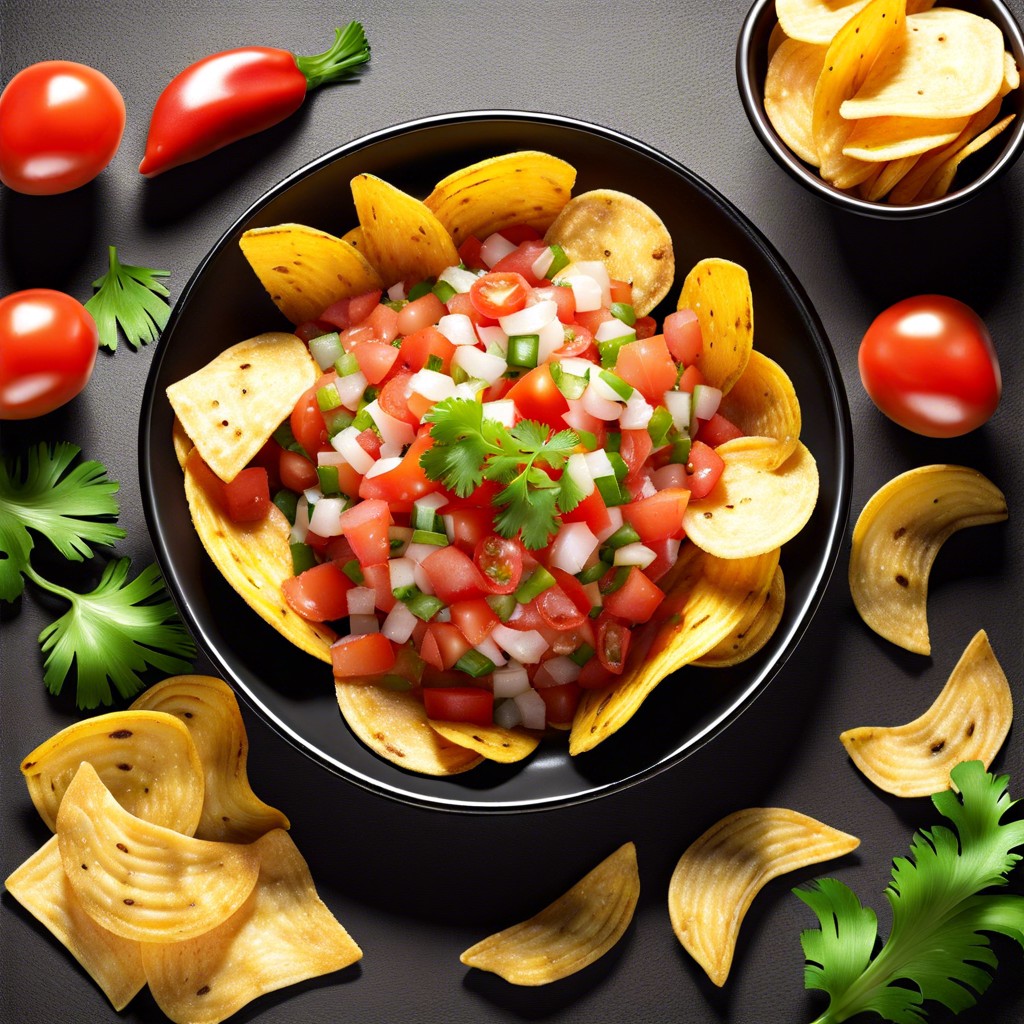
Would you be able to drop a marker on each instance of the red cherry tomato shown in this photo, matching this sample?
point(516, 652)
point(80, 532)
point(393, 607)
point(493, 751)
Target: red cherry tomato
point(60, 125)
point(48, 343)
point(929, 364)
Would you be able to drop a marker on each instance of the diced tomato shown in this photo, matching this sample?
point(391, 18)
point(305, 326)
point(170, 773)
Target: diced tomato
point(460, 302)
point(682, 334)
point(347, 312)
point(500, 560)
point(312, 329)
point(499, 294)
point(658, 517)
point(375, 358)
point(475, 618)
point(621, 291)
point(366, 525)
point(348, 480)
point(593, 675)
point(307, 421)
point(481, 496)
point(422, 312)
point(573, 589)
point(369, 440)
point(612, 644)
point(718, 430)
point(646, 327)
point(469, 253)
point(562, 296)
point(401, 486)
point(528, 616)
point(453, 575)
point(579, 342)
point(519, 233)
point(561, 702)
point(703, 469)
point(592, 511)
point(522, 259)
point(418, 347)
point(690, 378)
point(636, 600)
point(269, 457)
point(665, 554)
point(558, 610)
point(469, 526)
point(338, 550)
point(296, 471)
point(459, 704)
point(592, 319)
point(319, 594)
point(537, 397)
point(370, 654)
point(635, 447)
point(647, 365)
point(394, 399)
point(246, 498)
point(443, 644)
point(378, 579)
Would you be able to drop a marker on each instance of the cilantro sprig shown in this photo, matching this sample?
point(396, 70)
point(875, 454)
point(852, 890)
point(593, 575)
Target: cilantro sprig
point(131, 297)
point(115, 631)
point(942, 909)
point(469, 448)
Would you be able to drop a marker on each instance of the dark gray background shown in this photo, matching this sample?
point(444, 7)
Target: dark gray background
point(417, 887)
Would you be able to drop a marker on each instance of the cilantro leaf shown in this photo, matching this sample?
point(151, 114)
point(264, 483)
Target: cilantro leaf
point(941, 913)
point(72, 508)
point(131, 297)
point(112, 633)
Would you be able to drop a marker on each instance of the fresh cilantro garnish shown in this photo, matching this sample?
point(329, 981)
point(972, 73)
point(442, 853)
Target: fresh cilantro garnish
point(937, 948)
point(73, 508)
point(468, 449)
point(132, 297)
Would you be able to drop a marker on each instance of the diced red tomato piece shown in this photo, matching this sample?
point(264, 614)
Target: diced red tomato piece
point(665, 554)
point(593, 675)
point(558, 610)
point(658, 517)
point(366, 526)
point(246, 498)
point(475, 618)
point(718, 430)
point(635, 447)
point(560, 701)
point(469, 253)
point(647, 365)
point(537, 397)
point(378, 579)
point(522, 259)
point(636, 600)
point(418, 347)
point(621, 291)
point(499, 294)
point(703, 469)
point(347, 312)
point(401, 486)
point(307, 421)
point(500, 560)
point(369, 440)
point(422, 312)
point(690, 378)
point(592, 319)
point(460, 302)
point(470, 526)
point(375, 358)
point(646, 327)
point(573, 589)
point(453, 575)
point(579, 342)
point(459, 704)
point(370, 654)
point(319, 594)
point(394, 399)
point(682, 334)
point(296, 472)
point(269, 457)
point(612, 644)
point(562, 296)
point(443, 644)
point(527, 616)
point(519, 233)
point(591, 510)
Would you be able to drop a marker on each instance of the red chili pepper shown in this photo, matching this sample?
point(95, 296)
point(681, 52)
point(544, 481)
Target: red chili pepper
point(228, 96)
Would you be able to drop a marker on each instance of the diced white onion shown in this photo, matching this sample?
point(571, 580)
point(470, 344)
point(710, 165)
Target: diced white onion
point(493, 338)
point(312, 495)
point(550, 338)
point(459, 278)
point(562, 669)
point(301, 525)
point(542, 264)
point(706, 400)
point(647, 488)
point(419, 552)
point(576, 366)
point(532, 708)
point(458, 329)
point(572, 547)
point(402, 572)
point(525, 645)
point(678, 404)
point(346, 442)
point(637, 413)
point(586, 293)
point(530, 319)
point(634, 554)
point(350, 389)
point(432, 502)
point(399, 623)
point(396, 293)
point(392, 429)
point(326, 515)
point(330, 458)
point(326, 350)
point(484, 365)
point(612, 330)
point(506, 714)
point(495, 247)
point(361, 601)
point(432, 384)
point(383, 465)
point(502, 411)
point(598, 405)
point(598, 463)
point(603, 389)
point(510, 680)
point(489, 649)
point(470, 389)
point(360, 625)
point(579, 472)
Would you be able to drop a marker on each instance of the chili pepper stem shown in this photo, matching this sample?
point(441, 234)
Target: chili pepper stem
point(348, 50)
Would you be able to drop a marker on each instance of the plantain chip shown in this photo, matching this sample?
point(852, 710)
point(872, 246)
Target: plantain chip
point(305, 270)
point(817, 21)
point(879, 139)
point(281, 935)
point(569, 934)
point(401, 237)
point(143, 881)
point(718, 291)
point(41, 886)
point(755, 629)
point(207, 708)
point(506, 746)
point(718, 876)
point(889, 176)
point(232, 405)
point(789, 94)
point(897, 536)
point(764, 403)
point(624, 234)
point(525, 187)
point(757, 505)
point(394, 725)
point(706, 600)
point(146, 759)
point(941, 181)
point(968, 721)
point(255, 558)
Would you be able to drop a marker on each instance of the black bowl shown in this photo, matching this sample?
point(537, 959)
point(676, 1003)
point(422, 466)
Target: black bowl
point(977, 171)
point(224, 303)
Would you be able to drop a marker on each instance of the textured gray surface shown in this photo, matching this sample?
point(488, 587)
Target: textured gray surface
point(416, 887)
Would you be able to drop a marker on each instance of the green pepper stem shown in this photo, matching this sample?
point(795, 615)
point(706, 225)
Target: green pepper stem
point(348, 50)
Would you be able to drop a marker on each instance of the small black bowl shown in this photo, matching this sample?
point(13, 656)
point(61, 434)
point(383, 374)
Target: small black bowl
point(977, 172)
point(224, 303)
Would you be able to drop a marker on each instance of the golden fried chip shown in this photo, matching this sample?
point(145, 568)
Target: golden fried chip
point(756, 506)
point(718, 876)
point(897, 536)
point(968, 721)
point(706, 600)
point(394, 725)
point(506, 746)
point(940, 182)
point(207, 708)
point(525, 187)
point(817, 21)
point(181, 441)
point(281, 935)
point(569, 934)
point(41, 886)
point(789, 94)
point(950, 64)
point(718, 291)
point(400, 237)
point(876, 29)
point(255, 558)
point(624, 234)
point(889, 176)
point(764, 403)
point(753, 632)
point(145, 758)
point(893, 138)
point(232, 405)
point(305, 270)
point(143, 881)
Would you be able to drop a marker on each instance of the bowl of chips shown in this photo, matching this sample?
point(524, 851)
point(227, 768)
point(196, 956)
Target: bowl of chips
point(890, 108)
point(228, 320)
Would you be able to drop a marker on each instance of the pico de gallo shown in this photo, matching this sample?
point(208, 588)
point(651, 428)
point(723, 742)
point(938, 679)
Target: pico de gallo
point(488, 480)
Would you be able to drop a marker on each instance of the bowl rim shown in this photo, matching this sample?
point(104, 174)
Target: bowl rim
point(744, 698)
point(751, 97)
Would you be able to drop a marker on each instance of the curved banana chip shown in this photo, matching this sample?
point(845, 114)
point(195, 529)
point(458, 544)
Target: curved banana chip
point(506, 746)
point(968, 721)
point(899, 533)
point(718, 876)
point(569, 934)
